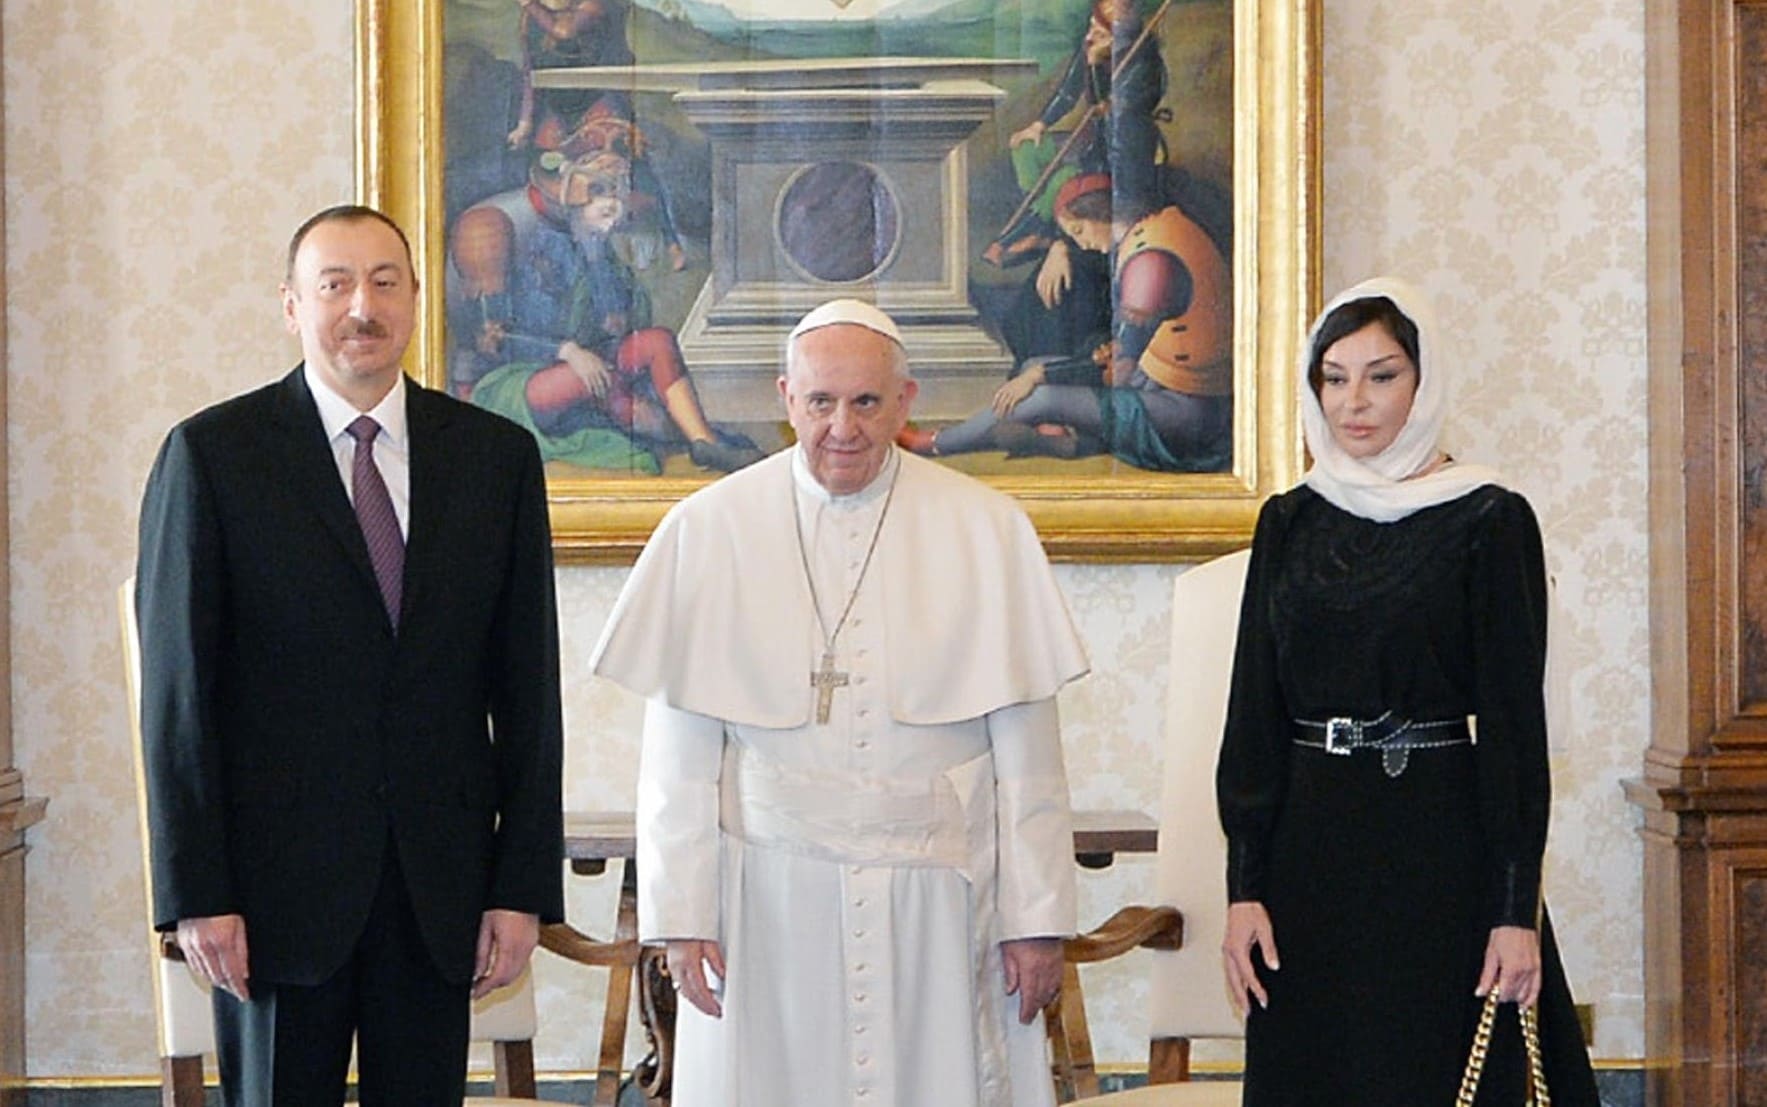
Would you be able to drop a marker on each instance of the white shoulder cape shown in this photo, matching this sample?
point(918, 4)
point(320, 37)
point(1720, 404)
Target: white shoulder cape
point(716, 616)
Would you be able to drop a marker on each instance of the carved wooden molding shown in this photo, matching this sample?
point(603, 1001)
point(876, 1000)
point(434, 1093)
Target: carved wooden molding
point(1706, 136)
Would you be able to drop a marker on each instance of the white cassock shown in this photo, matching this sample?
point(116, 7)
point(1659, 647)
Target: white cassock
point(859, 874)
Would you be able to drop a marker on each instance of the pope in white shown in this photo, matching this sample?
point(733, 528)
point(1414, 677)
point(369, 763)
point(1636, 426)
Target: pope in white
point(853, 824)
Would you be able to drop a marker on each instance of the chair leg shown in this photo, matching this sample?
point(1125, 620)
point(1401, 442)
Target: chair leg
point(619, 995)
point(1070, 1042)
point(1061, 1066)
point(655, 1073)
point(181, 1081)
point(1168, 1061)
point(513, 1065)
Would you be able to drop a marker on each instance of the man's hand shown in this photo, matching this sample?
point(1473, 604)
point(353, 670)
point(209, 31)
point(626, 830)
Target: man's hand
point(688, 958)
point(1248, 925)
point(1512, 965)
point(588, 366)
point(1033, 973)
point(506, 941)
point(1031, 132)
point(215, 947)
point(1056, 275)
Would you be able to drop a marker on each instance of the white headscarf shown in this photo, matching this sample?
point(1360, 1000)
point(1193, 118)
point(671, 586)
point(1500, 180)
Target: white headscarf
point(1376, 488)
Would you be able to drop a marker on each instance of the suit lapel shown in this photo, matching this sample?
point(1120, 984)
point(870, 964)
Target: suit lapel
point(312, 473)
point(432, 481)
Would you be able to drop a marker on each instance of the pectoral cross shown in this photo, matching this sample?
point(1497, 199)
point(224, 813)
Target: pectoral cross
point(825, 680)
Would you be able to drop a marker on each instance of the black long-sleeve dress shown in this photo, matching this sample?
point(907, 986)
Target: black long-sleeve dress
point(1383, 889)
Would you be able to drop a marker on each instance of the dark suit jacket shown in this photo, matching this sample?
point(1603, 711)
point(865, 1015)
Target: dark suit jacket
point(288, 729)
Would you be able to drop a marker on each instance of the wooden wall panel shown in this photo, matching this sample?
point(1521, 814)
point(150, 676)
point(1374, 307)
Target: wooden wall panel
point(1703, 791)
point(1751, 352)
point(12, 976)
point(1748, 978)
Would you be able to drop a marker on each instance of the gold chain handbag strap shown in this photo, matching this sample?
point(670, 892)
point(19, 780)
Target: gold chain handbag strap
point(1538, 1095)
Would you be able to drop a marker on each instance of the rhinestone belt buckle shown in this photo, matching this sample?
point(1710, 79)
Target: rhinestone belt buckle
point(1342, 735)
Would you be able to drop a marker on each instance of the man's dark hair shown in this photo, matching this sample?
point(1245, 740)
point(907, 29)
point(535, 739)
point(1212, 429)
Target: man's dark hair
point(343, 213)
point(1347, 319)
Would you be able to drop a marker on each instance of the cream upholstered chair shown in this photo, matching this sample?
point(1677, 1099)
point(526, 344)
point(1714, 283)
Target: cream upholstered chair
point(1189, 996)
point(186, 1030)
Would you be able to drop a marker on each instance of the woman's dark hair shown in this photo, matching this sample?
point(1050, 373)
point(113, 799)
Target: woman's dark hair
point(1347, 319)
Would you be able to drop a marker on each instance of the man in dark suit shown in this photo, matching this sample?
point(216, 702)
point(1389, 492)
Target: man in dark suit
point(350, 698)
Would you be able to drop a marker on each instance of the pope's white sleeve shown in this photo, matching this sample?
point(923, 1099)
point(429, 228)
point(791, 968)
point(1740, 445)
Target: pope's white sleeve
point(678, 842)
point(1036, 828)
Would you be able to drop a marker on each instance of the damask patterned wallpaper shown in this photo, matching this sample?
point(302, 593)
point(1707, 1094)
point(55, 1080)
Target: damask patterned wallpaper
point(158, 154)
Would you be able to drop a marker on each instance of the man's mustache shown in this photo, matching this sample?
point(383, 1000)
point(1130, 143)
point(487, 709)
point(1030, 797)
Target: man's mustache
point(367, 328)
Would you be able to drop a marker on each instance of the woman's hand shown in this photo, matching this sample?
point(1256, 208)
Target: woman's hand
point(1248, 925)
point(1512, 965)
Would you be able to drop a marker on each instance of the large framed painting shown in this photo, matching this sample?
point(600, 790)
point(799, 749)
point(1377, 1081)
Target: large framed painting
point(1094, 221)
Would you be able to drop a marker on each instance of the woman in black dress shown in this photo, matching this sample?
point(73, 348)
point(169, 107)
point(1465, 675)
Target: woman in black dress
point(1383, 865)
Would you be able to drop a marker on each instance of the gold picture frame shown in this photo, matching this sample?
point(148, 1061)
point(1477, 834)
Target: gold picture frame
point(1129, 516)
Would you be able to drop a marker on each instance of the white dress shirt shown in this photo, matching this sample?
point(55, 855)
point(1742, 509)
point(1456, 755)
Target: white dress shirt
point(392, 446)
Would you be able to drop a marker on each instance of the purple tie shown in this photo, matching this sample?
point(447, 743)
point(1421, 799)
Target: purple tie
point(374, 511)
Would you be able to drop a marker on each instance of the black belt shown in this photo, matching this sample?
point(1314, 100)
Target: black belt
point(1394, 737)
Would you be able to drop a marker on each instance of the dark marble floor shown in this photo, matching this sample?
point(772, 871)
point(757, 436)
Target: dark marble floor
point(1619, 1088)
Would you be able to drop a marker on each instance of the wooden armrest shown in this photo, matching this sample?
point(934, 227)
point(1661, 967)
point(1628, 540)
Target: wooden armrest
point(1129, 928)
point(170, 950)
point(574, 945)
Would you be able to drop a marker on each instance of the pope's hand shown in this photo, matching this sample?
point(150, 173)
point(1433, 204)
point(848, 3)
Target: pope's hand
point(1033, 973)
point(688, 959)
point(215, 947)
